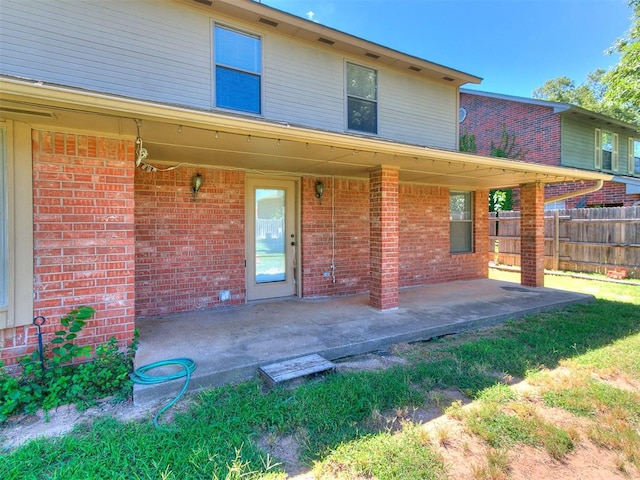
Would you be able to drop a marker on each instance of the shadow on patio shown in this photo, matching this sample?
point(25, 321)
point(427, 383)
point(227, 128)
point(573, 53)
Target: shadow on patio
point(229, 344)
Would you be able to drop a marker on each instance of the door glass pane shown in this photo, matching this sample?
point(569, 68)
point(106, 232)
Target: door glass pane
point(270, 236)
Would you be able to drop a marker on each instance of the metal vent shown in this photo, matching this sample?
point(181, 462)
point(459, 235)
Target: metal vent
point(37, 113)
point(415, 69)
point(372, 55)
point(326, 41)
point(448, 79)
point(204, 2)
point(266, 21)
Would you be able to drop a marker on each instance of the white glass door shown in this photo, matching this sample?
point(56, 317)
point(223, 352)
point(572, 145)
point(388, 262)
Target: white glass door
point(271, 239)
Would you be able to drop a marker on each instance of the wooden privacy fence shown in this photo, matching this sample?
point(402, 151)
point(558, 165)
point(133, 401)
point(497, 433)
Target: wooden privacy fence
point(595, 240)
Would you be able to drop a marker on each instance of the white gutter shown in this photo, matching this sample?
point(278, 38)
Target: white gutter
point(584, 191)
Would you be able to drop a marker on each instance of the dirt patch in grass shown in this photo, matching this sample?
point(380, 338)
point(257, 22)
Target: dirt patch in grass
point(22, 428)
point(465, 455)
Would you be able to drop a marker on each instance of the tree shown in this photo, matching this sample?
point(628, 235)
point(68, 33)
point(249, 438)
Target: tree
point(616, 92)
point(623, 80)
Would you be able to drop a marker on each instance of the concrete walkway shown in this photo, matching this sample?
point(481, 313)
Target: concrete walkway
point(230, 343)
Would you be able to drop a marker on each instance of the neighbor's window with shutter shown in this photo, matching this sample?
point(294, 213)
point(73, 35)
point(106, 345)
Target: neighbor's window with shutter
point(461, 222)
point(238, 70)
point(606, 150)
point(606, 146)
point(634, 156)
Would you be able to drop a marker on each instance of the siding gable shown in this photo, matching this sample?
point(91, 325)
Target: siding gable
point(581, 146)
point(163, 51)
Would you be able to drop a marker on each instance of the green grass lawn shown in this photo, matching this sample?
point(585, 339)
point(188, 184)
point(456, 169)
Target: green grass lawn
point(336, 420)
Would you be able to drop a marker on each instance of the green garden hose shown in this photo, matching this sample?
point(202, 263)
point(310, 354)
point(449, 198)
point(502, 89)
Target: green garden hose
point(140, 376)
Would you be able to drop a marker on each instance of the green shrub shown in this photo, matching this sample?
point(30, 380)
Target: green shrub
point(60, 379)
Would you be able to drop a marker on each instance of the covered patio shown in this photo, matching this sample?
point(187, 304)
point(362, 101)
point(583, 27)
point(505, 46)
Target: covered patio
point(229, 344)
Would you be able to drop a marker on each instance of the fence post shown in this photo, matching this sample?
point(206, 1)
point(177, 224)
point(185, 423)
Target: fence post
point(556, 239)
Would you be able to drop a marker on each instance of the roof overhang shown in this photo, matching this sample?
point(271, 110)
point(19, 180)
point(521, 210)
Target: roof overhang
point(305, 30)
point(174, 134)
point(632, 185)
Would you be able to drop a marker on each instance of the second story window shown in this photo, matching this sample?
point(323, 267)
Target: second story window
point(362, 99)
point(606, 150)
point(238, 69)
point(606, 146)
point(634, 156)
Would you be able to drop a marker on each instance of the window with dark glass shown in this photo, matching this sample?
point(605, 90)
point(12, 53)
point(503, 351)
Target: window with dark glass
point(461, 222)
point(238, 69)
point(606, 146)
point(362, 99)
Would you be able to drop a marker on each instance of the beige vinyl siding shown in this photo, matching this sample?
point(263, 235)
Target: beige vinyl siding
point(303, 85)
point(17, 214)
point(416, 111)
point(163, 51)
point(149, 50)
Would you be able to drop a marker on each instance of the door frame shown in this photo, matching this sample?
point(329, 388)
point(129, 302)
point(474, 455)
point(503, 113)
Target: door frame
point(256, 291)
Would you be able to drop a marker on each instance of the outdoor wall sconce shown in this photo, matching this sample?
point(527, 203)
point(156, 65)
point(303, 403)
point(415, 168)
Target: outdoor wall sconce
point(319, 189)
point(196, 183)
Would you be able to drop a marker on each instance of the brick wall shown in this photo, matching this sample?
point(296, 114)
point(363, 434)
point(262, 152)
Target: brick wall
point(384, 240)
point(611, 194)
point(425, 256)
point(532, 235)
point(536, 128)
point(188, 248)
point(351, 227)
point(83, 238)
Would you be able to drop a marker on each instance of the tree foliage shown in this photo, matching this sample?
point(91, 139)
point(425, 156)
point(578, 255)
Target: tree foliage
point(615, 92)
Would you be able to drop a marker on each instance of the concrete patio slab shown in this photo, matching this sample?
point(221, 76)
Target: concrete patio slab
point(229, 344)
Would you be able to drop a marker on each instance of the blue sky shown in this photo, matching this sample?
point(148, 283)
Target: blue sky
point(514, 45)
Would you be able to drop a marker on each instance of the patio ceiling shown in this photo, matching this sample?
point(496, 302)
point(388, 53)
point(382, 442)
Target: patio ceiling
point(174, 135)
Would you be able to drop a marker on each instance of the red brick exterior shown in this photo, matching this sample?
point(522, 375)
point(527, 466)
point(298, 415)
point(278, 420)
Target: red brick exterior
point(83, 238)
point(132, 243)
point(538, 132)
point(536, 128)
point(612, 194)
point(532, 235)
point(425, 256)
point(188, 248)
point(350, 223)
point(384, 237)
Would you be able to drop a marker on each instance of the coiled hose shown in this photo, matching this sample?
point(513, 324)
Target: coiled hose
point(140, 376)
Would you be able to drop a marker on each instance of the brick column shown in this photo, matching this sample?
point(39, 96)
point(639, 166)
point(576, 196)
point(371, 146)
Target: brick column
point(532, 235)
point(383, 237)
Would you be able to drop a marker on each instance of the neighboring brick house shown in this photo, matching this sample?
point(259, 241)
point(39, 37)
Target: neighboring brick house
point(171, 156)
point(559, 134)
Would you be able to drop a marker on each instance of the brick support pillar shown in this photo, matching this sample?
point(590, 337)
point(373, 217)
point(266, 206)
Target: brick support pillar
point(384, 233)
point(532, 235)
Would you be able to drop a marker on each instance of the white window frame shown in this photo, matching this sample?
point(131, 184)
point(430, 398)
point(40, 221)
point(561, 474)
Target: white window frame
point(17, 215)
point(259, 74)
point(466, 221)
point(598, 157)
point(348, 96)
point(631, 166)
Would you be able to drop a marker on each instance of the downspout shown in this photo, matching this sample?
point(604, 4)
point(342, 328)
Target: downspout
point(577, 193)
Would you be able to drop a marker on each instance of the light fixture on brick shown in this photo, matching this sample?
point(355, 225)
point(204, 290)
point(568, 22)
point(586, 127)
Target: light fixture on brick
point(319, 189)
point(196, 184)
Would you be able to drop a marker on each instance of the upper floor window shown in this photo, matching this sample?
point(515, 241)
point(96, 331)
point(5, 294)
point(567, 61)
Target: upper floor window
point(634, 156)
point(238, 69)
point(461, 222)
point(606, 150)
point(362, 99)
